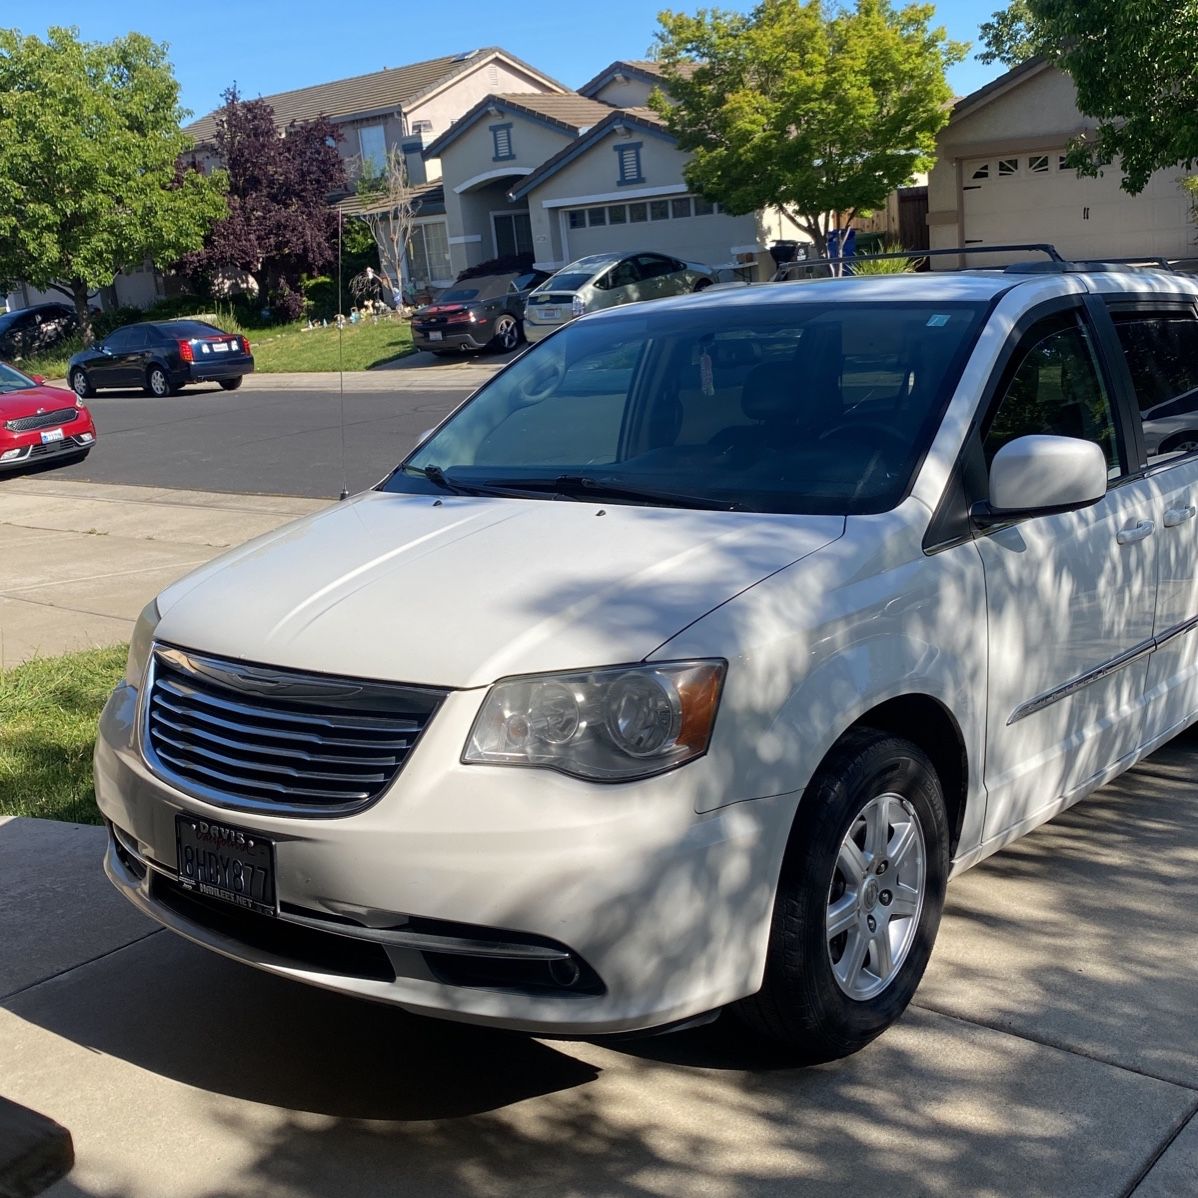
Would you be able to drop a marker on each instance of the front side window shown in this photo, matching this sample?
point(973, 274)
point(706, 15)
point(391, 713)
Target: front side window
point(822, 407)
point(1162, 355)
point(1056, 390)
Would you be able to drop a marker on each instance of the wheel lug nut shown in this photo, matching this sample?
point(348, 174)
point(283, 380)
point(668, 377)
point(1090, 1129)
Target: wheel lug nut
point(885, 898)
point(873, 924)
point(883, 866)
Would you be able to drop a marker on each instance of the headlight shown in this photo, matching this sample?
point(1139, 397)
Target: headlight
point(607, 725)
point(139, 645)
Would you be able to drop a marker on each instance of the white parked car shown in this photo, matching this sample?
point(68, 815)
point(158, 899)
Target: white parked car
point(606, 281)
point(681, 666)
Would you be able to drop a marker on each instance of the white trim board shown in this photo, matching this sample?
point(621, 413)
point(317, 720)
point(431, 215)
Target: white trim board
point(466, 240)
point(638, 193)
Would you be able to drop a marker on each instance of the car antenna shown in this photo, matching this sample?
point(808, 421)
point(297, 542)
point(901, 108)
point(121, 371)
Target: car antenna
point(341, 353)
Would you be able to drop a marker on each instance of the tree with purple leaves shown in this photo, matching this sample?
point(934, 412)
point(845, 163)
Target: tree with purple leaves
point(280, 225)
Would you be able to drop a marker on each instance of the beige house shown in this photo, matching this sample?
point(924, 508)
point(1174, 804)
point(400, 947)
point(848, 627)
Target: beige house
point(1000, 179)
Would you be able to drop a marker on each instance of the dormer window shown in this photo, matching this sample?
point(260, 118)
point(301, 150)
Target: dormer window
point(628, 155)
point(501, 140)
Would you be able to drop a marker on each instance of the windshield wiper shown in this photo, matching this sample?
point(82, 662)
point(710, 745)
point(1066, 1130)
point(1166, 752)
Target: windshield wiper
point(436, 476)
point(581, 486)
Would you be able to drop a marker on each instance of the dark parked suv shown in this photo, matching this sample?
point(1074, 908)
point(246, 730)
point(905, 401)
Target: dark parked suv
point(162, 357)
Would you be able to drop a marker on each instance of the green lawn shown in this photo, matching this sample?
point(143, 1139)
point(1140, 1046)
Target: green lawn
point(290, 347)
point(48, 713)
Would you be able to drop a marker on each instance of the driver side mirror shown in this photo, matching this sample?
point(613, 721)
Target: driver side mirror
point(39, 379)
point(1041, 476)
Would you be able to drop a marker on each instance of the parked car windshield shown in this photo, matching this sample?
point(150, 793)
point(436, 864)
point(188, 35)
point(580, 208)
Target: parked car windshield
point(820, 407)
point(13, 380)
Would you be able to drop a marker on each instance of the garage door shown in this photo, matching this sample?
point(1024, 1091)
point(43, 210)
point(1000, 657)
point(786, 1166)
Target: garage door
point(686, 227)
point(1037, 198)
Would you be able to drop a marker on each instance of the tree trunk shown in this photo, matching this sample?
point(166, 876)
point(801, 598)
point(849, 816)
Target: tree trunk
point(82, 310)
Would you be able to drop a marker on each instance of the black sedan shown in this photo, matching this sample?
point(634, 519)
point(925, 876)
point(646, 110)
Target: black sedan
point(162, 357)
point(482, 313)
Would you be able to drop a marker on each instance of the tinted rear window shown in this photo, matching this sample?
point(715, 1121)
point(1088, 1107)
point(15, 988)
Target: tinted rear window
point(190, 328)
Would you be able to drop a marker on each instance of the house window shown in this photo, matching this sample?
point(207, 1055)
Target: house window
point(628, 155)
point(680, 208)
point(596, 216)
point(513, 233)
point(501, 138)
point(703, 207)
point(659, 209)
point(638, 214)
point(1038, 164)
point(617, 215)
point(1062, 162)
point(982, 172)
point(422, 126)
point(1008, 166)
point(428, 254)
point(578, 218)
point(373, 145)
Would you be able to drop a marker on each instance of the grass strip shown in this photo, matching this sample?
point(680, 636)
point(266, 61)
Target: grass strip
point(48, 713)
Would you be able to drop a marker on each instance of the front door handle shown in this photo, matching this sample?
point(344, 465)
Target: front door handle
point(1179, 515)
point(1136, 532)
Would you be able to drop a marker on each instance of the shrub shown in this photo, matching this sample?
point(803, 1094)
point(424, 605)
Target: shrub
point(104, 322)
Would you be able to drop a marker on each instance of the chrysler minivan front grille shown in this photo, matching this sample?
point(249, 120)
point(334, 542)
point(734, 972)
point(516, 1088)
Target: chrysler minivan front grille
point(262, 738)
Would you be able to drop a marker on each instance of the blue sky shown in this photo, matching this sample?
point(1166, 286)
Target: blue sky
point(270, 46)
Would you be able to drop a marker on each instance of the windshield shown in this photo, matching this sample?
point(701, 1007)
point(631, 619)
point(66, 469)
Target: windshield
point(13, 380)
point(820, 407)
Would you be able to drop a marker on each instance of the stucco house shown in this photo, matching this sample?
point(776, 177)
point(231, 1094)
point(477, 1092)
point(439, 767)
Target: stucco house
point(1000, 178)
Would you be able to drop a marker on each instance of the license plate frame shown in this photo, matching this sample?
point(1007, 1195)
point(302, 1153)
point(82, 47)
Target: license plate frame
point(436, 336)
point(220, 347)
point(51, 435)
point(550, 313)
point(217, 863)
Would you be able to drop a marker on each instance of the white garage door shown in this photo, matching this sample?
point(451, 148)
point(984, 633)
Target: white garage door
point(685, 226)
point(1036, 198)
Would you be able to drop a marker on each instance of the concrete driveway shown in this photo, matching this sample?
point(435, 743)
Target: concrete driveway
point(1052, 1050)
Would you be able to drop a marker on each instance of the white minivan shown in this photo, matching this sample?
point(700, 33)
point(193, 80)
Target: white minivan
point(683, 664)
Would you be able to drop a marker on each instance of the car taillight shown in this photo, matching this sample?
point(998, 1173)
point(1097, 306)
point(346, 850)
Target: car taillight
point(245, 345)
point(459, 317)
point(577, 307)
point(185, 351)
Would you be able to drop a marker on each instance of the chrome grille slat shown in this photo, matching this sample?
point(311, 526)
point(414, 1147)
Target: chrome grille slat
point(260, 738)
point(390, 759)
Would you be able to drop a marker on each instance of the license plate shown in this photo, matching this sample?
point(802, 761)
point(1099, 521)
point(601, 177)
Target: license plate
point(226, 863)
point(53, 434)
point(220, 347)
point(549, 313)
point(436, 336)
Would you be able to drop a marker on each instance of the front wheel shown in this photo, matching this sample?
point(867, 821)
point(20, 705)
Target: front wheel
point(859, 900)
point(507, 334)
point(230, 384)
point(80, 384)
point(158, 383)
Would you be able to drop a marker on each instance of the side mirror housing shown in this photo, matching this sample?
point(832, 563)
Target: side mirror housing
point(38, 378)
point(1041, 476)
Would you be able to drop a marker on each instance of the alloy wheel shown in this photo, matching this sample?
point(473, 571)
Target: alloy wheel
point(159, 383)
point(507, 334)
point(876, 896)
point(79, 384)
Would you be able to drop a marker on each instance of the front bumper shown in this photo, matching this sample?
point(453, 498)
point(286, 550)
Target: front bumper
point(33, 453)
point(666, 912)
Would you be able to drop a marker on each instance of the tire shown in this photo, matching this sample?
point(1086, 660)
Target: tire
point(507, 334)
point(870, 779)
point(230, 384)
point(80, 384)
point(1184, 442)
point(158, 383)
point(702, 285)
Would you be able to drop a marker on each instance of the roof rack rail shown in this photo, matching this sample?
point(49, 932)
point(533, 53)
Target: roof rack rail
point(916, 255)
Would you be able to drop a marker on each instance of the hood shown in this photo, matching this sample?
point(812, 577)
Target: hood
point(461, 591)
point(17, 404)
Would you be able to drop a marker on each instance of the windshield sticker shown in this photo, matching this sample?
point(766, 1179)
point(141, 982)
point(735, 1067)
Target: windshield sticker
point(937, 322)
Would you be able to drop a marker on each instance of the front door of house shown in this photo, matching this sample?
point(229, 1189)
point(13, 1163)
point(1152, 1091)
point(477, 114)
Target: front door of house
point(513, 233)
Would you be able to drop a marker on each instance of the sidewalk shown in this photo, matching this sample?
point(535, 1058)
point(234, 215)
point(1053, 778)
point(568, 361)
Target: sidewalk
point(80, 560)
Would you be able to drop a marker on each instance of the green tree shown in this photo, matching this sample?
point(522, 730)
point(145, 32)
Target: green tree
point(820, 114)
point(1135, 66)
point(1011, 36)
point(90, 180)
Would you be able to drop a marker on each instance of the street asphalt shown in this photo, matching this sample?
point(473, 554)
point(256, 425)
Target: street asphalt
point(277, 434)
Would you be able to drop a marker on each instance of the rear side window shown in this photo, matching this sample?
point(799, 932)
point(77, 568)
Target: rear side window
point(1056, 390)
point(1162, 355)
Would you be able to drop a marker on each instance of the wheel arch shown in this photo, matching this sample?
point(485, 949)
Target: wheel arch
point(1171, 442)
point(926, 722)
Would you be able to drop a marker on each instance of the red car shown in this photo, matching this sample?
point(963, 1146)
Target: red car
point(39, 423)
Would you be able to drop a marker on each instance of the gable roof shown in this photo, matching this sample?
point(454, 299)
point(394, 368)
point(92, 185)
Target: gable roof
point(429, 196)
point(567, 111)
point(644, 119)
point(637, 68)
point(999, 87)
point(388, 90)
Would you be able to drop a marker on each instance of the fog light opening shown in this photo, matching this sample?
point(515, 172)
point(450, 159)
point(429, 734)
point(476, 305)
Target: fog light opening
point(565, 973)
